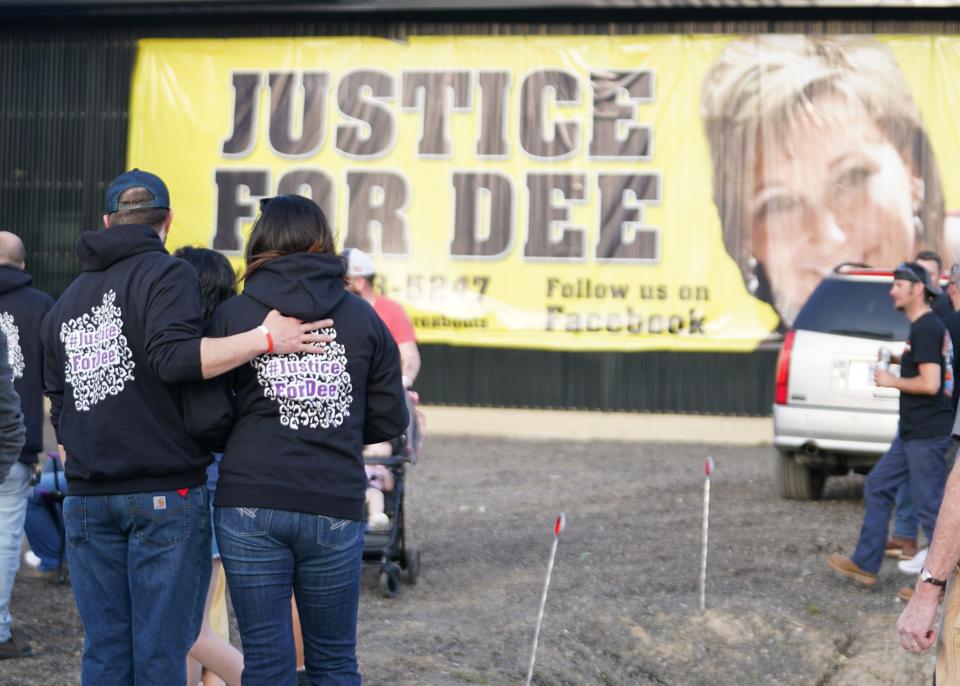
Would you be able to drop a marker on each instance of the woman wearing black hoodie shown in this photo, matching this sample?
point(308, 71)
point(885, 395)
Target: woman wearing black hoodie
point(289, 507)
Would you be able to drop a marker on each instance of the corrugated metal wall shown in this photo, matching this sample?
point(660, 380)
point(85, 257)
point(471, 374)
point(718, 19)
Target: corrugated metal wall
point(64, 93)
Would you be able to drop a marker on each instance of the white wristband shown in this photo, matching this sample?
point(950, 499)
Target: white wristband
point(266, 332)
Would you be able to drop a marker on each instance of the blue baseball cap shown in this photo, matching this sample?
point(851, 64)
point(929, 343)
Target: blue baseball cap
point(138, 179)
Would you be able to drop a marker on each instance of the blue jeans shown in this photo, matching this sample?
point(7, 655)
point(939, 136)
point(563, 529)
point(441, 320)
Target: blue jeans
point(905, 514)
point(921, 461)
point(44, 524)
point(140, 567)
point(266, 553)
point(13, 509)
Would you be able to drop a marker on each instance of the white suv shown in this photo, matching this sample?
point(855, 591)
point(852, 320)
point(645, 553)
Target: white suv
point(828, 416)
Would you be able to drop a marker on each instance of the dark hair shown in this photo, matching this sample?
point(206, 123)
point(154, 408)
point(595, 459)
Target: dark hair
point(288, 224)
point(218, 281)
point(149, 216)
point(931, 256)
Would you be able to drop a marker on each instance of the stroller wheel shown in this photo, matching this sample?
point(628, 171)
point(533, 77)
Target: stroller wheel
point(411, 562)
point(390, 581)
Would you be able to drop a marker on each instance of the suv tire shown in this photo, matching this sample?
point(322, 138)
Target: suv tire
point(798, 481)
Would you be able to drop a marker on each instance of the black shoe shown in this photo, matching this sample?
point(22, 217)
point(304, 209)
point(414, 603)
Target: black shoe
point(17, 646)
point(302, 678)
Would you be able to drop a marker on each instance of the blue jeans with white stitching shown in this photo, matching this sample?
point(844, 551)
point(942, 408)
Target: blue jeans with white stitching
point(269, 553)
point(140, 567)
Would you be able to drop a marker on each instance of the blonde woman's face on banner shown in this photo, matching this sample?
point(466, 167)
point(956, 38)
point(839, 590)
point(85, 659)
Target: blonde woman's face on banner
point(830, 188)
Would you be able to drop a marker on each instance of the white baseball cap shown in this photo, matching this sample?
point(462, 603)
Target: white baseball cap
point(358, 263)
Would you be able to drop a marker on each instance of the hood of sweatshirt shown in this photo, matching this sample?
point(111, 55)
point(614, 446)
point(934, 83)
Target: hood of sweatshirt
point(100, 249)
point(303, 285)
point(12, 278)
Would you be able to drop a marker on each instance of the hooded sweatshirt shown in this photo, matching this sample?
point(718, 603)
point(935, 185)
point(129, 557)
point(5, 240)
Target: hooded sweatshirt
point(120, 338)
point(21, 311)
point(294, 425)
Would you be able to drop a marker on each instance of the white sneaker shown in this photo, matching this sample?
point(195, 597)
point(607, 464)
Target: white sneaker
point(379, 522)
point(913, 565)
point(30, 558)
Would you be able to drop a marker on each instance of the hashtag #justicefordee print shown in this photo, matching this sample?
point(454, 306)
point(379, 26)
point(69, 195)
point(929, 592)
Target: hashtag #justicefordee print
point(313, 389)
point(99, 360)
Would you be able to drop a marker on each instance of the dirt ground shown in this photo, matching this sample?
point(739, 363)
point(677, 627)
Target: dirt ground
point(623, 601)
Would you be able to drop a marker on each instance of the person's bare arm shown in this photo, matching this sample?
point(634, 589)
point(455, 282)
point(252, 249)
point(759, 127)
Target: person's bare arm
point(927, 382)
point(915, 625)
point(220, 355)
point(409, 362)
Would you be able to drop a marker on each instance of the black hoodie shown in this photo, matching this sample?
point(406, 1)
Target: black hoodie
point(120, 338)
point(21, 311)
point(295, 425)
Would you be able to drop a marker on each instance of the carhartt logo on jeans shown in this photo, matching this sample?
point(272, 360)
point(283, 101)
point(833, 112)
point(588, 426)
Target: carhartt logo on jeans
point(313, 389)
point(99, 360)
point(8, 327)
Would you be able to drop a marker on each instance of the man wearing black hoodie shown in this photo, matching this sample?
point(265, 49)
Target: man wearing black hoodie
point(121, 338)
point(21, 310)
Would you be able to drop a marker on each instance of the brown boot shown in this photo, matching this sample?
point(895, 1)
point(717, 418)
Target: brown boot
point(845, 567)
point(896, 547)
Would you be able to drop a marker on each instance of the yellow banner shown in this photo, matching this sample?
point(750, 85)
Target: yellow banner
point(577, 193)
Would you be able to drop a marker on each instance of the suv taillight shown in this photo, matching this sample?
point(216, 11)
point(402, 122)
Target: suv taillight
point(783, 369)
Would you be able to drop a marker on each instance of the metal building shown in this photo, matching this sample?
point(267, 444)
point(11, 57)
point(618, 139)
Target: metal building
point(65, 72)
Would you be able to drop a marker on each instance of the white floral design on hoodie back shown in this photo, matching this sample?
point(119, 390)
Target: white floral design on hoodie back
point(9, 328)
point(313, 389)
point(99, 360)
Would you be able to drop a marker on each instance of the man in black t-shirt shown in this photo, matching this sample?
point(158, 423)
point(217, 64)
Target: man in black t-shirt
point(923, 436)
point(903, 543)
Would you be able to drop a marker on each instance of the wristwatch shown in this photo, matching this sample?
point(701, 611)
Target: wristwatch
point(927, 577)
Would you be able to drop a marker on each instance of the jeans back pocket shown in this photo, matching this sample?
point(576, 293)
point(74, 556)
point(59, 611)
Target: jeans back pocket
point(244, 521)
point(338, 534)
point(75, 520)
point(163, 518)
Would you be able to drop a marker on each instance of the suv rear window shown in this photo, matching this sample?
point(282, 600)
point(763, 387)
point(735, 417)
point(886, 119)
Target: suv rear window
point(853, 308)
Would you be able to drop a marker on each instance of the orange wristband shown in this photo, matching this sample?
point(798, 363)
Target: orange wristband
point(266, 332)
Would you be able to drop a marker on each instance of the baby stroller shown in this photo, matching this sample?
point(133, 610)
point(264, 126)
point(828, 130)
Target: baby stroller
point(44, 518)
point(389, 548)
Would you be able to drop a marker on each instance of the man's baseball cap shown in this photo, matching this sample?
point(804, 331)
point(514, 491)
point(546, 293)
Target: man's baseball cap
point(915, 273)
point(138, 179)
point(358, 263)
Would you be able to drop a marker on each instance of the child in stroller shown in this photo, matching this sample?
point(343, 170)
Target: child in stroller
point(386, 538)
point(379, 481)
